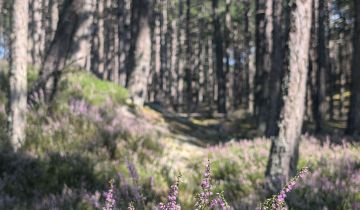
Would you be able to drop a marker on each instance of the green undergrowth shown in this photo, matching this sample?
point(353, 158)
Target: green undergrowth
point(89, 136)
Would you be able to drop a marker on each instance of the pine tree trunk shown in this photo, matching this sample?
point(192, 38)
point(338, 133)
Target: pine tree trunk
point(36, 43)
point(353, 127)
point(228, 45)
point(246, 46)
point(219, 52)
point(138, 80)
point(188, 70)
point(18, 74)
point(263, 33)
point(277, 68)
point(179, 65)
point(82, 40)
point(50, 20)
point(284, 149)
point(59, 51)
point(320, 105)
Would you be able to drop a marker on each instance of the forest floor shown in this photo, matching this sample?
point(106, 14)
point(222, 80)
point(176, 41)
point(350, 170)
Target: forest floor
point(92, 133)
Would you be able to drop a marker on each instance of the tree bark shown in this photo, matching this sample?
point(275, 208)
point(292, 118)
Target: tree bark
point(277, 65)
point(353, 126)
point(59, 51)
point(18, 74)
point(81, 48)
point(319, 101)
point(36, 39)
point(263, 41)
point(188, 70)
point(219, 52)
point(139, 77)
point(284, 149)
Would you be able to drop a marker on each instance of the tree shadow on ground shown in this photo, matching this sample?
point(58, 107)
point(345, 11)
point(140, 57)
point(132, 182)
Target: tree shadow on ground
point(202, 129)
point(28, 178)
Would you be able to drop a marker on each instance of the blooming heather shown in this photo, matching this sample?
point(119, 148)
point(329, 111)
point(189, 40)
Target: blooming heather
point(203, 198)
point(277, 202)
point(109, 197)
point(172, 197)
point(219, 201)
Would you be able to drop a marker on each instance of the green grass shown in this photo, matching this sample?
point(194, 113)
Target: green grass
point(83, 85)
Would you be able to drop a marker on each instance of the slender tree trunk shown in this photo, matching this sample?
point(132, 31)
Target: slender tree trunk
point(18, 74)
point(82, 40)
point(138, 80)
point(50, 20)
point(97, 54)
point(227, 46)
point(237, 72)
point(157, 72)
point(220, 73)
point(313, 55)
point(320, 99)
point(353, 126)
point(263, 33)
point(246, 49)
point(179, 65)
point(36, 44)
point(173, 69)
point(188, 59)
point(163, 51)
point(277, 68)
point(211, 77)
point(284, 149)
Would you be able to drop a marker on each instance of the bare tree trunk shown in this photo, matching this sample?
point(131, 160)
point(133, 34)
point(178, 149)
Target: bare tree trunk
point(353, 126)
point(320, 105)
point(50, 20)
point(228, 41)
point(138, 80)
point(97, 42)
point(277, 68)
point(179, 65)
point(211, 77)
point(188, 70)
point(157, 43)
point(18, 74)
point(58, 53)
point(173, 70)
point(246, 49)
point(284, 149)
point(263, 40)
point(36, 39)
point(82, 40)
point(220, 73)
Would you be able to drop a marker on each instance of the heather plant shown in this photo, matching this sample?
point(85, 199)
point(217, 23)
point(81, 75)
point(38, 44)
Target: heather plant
point(205, 198)
point(277, 202)
point(172, 198)
point(109, 197)
point(85, 138)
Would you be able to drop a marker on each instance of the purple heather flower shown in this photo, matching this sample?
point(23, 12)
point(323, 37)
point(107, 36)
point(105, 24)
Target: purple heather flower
point(172, 197)
point(109, 197)
point(288, 188)
point(218, 202)
point(204, 197)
